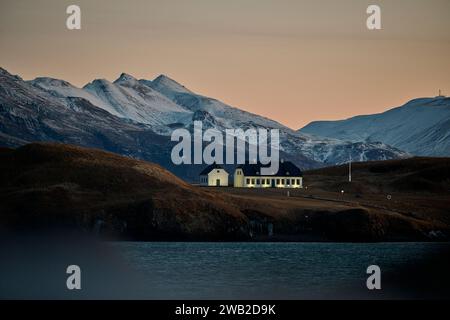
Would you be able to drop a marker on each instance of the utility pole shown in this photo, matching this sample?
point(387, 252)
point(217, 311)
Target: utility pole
point(350, 169)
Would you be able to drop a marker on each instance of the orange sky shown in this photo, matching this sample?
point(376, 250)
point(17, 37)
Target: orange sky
point(290, 60)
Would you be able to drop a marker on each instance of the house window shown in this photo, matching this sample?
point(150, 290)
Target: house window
point(278, 181)
point(258, 181)
point(282, 181)
point(253, 181)
point(263, 181)
point(298, 181)
point(248, 181)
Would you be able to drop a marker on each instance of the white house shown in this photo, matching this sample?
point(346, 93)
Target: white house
point(249, 176)
point(214, 175)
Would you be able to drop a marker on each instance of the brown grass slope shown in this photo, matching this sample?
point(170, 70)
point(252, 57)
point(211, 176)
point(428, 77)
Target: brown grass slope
point(417, 175)
point(47, 185)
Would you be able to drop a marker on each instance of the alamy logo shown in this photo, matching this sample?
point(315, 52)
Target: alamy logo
point(235, 144)
point(73, 21)
point(374, 20)
point(74, 280)
point(374, 280)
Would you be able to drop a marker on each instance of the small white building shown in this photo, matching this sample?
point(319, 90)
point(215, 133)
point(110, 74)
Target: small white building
point(249, 176)
point(214, 175)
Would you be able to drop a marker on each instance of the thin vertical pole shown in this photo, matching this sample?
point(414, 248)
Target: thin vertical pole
point(350, 169)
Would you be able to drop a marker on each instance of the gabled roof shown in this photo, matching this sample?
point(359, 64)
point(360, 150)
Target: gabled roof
point(286, 169)
point(210, 168)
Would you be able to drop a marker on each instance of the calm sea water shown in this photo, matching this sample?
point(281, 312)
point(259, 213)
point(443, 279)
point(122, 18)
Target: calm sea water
point(36, 269)
point(272, 270)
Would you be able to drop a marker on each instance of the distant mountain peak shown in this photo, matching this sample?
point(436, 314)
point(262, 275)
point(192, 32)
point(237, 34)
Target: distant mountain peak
point(51, 81)
point(125, 77)
point(98, 82)
point(163, 81)
point(419, 127)
point(163, 77)
point(437, 101)
point(5, 73)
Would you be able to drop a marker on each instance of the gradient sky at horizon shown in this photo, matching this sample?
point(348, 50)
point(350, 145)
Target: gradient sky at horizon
point(291, 60)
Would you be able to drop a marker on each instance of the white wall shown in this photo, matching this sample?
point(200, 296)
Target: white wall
point(238, 178)
point(220, 174)
point(268, 182)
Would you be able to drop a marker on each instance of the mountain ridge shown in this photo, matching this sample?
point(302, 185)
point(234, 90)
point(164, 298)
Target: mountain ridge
point(101, 111)
point(421, 127)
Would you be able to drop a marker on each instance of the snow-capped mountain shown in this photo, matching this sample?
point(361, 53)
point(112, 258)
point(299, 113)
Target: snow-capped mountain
point(226, 116)
point(182, 106)
point(322, 150)
point(28, 114)
point(126, 98)
point(166, 86)
point(135, 118)
point(421, 127)
point(330, 151)
point(63, 89)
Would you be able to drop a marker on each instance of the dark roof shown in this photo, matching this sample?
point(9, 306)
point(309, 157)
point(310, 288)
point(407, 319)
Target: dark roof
point(286, 169)
point(210, 168)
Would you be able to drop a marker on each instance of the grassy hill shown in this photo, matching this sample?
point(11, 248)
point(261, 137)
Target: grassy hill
point(428, 175)
point(55, 186)
point(47, 185)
